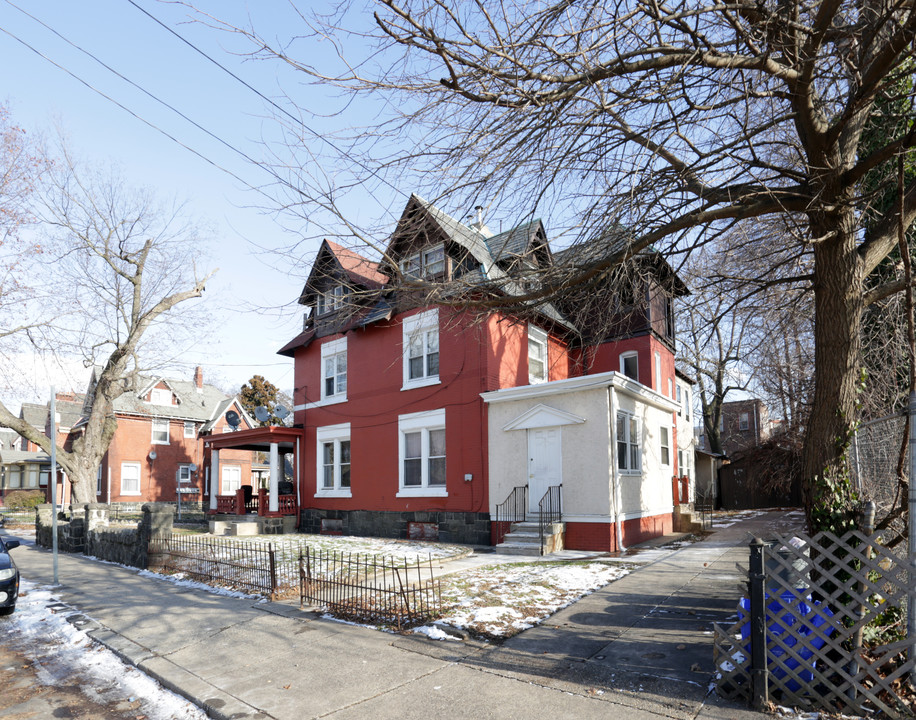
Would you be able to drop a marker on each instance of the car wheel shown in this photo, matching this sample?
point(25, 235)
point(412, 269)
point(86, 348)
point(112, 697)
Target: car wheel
point(7, 610)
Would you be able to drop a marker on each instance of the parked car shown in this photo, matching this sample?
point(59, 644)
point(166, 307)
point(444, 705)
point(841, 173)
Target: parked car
point(9, 576)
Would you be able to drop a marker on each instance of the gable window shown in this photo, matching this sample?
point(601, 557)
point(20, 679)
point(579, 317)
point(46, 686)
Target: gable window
point(421, 349)
point(427, 263)
point(333, 445)
point(331, 299)
point(190, 429)
point(160, 396)
point(422, 453)
point(629, 365)
point(160, 431)
point(334, 370)
point(628, 455)
point(130, 478)
point(537, 355)
point(743, 421)
point(665, 446)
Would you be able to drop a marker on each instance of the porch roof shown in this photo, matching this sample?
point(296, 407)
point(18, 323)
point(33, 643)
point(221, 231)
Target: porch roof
point(256, 439)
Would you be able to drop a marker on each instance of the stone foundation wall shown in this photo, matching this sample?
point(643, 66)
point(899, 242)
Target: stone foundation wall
point(454, 527)
point(88, 532)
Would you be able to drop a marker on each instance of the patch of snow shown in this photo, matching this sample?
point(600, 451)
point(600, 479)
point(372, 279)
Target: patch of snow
point(57, 647)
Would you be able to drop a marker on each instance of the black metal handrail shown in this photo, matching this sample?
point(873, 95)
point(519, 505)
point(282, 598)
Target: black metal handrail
point(549, 510)
point(511, 510)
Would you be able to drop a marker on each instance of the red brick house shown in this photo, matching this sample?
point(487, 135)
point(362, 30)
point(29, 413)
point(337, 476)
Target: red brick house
point(390, 390)
point(158, 449)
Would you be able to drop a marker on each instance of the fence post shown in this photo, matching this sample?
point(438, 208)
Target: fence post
point(867, 528)
point(759, 673)
point(273, 571)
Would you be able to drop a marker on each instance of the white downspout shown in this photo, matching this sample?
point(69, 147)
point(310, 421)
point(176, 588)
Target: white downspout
point(615, 476)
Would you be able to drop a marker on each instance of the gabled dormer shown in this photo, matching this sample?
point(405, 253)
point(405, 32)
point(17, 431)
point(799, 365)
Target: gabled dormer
point(159, 392)
point(340, 278)
point(430, 245)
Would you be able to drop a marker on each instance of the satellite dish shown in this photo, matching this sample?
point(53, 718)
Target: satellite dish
point(281, 412)
point(262, 413)
point(232, 417)
point(193, 467)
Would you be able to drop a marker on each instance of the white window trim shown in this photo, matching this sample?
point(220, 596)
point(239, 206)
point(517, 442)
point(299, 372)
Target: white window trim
point(629, 441)
point(168, 431)
point(192, 426)
point(538, 336)
point(658, 373)
point(421, 322)
point(335, 434)
point(139, 479)
point(160, 392)
point(625, 356)
point(662, 431)
point(413, 422)
point(222, 478)
point(335, 347)
point(98, 481)
point(181, 467)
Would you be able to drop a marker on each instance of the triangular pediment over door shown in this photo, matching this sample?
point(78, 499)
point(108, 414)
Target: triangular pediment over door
point(542, 416)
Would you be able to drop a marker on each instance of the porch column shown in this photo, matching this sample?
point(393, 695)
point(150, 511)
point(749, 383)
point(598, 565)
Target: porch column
point(273, 503)
point(214, 478)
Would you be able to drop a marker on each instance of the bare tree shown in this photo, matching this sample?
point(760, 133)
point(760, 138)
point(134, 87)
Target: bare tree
point(123, 264)
point(660, 117)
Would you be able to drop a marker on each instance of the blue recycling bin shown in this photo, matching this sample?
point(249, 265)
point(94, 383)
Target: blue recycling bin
point(793, 614)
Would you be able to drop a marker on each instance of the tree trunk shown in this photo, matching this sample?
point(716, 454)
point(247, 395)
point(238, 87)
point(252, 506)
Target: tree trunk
point(838, 278)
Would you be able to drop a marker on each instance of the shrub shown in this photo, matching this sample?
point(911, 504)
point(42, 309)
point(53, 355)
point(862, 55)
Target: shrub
point(23, 499)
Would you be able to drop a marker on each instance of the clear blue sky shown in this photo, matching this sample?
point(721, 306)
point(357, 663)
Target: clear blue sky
point(121, 36)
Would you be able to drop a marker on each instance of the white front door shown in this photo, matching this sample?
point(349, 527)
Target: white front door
point(232, 479)
point(544, 463)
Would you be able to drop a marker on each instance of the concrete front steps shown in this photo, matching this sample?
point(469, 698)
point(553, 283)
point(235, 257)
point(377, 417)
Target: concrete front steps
point(684, 520)
point(523, 539)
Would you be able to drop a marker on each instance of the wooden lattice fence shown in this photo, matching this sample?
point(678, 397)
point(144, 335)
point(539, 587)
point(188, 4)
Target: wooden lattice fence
point(828, 602)
point(369, 589)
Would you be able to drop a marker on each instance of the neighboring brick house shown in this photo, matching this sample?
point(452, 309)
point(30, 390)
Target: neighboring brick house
point(745, 424)
point(158, 446)
point(393, 393)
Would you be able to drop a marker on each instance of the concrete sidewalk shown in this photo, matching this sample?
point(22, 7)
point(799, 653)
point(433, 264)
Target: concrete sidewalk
point(641, 646)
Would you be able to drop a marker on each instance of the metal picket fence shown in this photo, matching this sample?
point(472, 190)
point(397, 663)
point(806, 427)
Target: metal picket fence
point(821, 632)
point(369, 589)
point(246, 567)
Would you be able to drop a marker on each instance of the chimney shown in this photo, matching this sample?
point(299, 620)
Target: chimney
point(199, 378)
point(479, 225)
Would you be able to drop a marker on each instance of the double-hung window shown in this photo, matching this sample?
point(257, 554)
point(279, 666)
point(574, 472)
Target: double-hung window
point(537, 355)
point(160, 431)
point(427, 263)
point(333, 446)
point(629, 365)
point(744, 421)
point(665, 443)
point(422, 453)
point(628, 455)
point(160, 396)
point(331, 299)
point(421, 349)
point(184, 474)
point(334, 370)
point(190, 429)
point(130, 478)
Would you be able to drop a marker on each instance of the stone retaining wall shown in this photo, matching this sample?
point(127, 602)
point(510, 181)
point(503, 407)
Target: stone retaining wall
point(453, 527)
point(88, 531)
